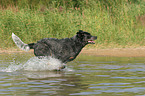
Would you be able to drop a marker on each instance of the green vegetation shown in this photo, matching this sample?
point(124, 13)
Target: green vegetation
point(117, 23)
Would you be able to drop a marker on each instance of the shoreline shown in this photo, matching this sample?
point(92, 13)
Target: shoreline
point(116, 52)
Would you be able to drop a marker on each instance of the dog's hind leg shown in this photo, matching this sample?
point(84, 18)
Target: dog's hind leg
point(20, 43)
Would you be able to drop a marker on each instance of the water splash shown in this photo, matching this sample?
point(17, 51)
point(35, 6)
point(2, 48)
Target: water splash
point(35, 64)
point(12, 67)
point(46, 63)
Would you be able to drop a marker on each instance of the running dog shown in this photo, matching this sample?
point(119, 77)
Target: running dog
point(65, 49)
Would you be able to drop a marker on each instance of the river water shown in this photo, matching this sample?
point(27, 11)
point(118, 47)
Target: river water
point(21, 74)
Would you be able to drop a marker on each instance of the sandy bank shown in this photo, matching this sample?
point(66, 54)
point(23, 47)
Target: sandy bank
point(119, 52)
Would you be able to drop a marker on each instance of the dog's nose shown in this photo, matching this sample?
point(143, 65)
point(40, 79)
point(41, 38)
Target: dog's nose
point(95, 37)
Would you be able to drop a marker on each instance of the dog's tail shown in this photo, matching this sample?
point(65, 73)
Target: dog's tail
point(21, 44)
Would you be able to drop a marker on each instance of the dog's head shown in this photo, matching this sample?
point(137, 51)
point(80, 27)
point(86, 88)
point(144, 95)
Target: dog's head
point(86, 37)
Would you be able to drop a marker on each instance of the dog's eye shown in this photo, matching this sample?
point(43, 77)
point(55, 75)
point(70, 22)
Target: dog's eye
point(88, 37)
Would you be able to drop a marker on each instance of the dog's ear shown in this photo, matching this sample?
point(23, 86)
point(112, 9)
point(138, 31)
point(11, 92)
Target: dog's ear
point(80, 33)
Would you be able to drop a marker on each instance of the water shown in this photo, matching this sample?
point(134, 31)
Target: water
point(24, 75)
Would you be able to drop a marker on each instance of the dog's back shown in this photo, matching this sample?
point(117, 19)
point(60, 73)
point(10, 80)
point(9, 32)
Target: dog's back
point(62, 49)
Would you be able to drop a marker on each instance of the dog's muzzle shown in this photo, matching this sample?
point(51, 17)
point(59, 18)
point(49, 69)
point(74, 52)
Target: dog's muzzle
point(91, 40)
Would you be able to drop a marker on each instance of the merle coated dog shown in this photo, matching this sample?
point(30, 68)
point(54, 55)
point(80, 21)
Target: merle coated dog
point(65, 49)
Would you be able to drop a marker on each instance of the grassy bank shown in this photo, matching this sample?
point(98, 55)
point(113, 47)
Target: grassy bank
point(115, 22)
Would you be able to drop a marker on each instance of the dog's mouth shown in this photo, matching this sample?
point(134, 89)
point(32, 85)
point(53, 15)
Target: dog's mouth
point(91, 42)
